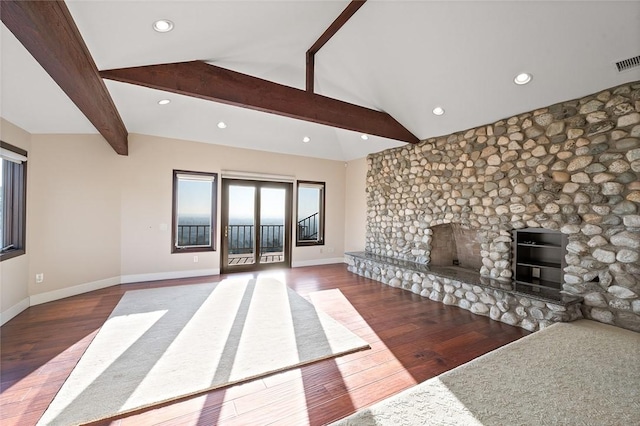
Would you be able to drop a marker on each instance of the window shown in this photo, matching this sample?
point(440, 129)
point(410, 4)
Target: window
point(310, 217)
point(194, 211)
point(13, 180)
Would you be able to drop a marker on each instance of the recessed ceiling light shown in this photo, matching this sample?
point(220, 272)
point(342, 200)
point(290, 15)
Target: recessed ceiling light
point(522, 78)
point(222, 125)
point(164, 101)
point(306, 139)
point(364, 136)
point(163, 25)
point(438, 110)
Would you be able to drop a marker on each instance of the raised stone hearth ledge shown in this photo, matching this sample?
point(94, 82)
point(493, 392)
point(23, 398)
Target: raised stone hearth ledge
point(572, 167)
point(467, 290)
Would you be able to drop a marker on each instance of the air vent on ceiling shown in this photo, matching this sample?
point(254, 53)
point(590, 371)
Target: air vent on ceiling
point(627, 64)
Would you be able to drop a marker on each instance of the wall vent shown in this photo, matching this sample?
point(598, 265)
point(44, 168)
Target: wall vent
point(627, 64)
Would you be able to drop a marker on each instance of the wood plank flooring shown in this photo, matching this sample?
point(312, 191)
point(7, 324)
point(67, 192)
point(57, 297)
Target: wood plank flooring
point(412, 339)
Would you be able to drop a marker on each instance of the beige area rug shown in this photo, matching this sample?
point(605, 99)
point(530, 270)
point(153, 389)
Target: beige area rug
point(579, 373)
point(166, 343)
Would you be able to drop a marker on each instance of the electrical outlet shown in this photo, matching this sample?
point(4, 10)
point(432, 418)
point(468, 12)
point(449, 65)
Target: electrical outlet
point(195, 259)
point(330, 250)
point(39, 278)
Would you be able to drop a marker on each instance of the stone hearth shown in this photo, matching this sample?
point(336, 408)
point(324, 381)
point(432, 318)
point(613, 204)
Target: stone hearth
point(572, 167)
point(468, 290)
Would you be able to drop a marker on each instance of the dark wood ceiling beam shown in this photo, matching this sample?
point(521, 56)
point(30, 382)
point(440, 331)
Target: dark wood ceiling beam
point(346, 14)
point(201, 80)
point(48, 32)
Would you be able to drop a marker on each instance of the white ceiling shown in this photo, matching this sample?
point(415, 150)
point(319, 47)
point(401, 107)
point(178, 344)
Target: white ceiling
point(401, 57)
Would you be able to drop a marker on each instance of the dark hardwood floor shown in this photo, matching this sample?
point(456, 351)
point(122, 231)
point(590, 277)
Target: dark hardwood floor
point(412, 339)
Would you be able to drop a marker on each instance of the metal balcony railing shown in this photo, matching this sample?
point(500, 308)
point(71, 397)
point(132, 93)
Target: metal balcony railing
point(194, 235)
point(308, 228)
point(241, 239)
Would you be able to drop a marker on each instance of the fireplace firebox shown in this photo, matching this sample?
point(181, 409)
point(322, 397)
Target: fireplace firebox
point(453, 244)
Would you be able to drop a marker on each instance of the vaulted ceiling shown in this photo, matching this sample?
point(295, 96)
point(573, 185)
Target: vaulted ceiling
point(400, 57)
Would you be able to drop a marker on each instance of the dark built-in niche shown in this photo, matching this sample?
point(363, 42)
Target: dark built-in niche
point(539, 261)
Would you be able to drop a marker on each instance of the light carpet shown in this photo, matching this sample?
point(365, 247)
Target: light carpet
point(166, 343)
point(579, 373)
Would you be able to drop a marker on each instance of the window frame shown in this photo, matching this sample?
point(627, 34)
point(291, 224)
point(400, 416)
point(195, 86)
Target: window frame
point(16, 221)
point(214, 213)
point(322, 219)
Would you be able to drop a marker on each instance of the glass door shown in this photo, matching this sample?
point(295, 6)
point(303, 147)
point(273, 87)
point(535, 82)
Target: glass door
point(256, 222)
point(272, 224)
point(239, 229)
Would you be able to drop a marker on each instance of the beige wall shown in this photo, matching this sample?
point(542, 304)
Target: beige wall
point(95, 218)
point(355, 205)
point(147, 192)
point(14, 273)
point(73, 227)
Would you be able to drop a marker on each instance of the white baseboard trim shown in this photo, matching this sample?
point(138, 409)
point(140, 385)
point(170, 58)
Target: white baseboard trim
point(157, 276)
point(14, 310)
point(50, 296)
point(316, 262)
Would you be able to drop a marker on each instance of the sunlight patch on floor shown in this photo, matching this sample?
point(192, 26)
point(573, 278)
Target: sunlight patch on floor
point(334, 303)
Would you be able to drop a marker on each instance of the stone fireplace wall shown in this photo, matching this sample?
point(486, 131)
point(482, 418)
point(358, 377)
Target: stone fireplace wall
point(573, 167)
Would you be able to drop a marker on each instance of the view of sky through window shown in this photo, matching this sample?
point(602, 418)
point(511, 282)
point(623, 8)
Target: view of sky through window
point(241, 204)
point(308, 202)
point(242, 199)
point(194, 201)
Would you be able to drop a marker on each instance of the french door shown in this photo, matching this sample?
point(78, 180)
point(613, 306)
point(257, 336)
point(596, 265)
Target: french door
point(256, 225)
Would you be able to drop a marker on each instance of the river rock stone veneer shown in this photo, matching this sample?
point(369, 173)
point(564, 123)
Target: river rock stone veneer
point(573, 167)
point(467, 290)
